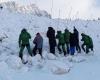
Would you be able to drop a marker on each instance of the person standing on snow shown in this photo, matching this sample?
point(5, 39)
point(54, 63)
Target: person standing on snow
point(76, 33)
point(24, 42)
point(52, 39)
point(72, 43)
point(61, 42)
point(87, 42)
point(38, 41)
point(67, 38)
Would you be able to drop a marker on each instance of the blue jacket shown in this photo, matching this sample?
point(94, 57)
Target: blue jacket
point(38, 41)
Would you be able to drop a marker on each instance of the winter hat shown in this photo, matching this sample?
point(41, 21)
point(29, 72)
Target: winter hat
point(38, 33)
point(23, 30)
point(50, 28)
point(82, 34)
point(66, 30)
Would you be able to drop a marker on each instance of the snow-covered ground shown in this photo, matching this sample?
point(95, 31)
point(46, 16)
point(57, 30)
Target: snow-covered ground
point(78, 67)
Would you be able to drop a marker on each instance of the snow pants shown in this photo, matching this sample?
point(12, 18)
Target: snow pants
point(67, 45)
point(35, 49)
point(63, 48)
point(72, 50)
point(22, 48)
point(52, 44)
point(78, 49)
point(87, 48)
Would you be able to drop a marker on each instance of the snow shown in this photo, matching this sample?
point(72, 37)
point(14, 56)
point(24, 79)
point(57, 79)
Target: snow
point(13, 6)
point(78, 67)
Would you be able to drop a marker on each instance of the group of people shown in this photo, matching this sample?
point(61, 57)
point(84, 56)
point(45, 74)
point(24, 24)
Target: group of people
point(24, 42)
point(67, 43)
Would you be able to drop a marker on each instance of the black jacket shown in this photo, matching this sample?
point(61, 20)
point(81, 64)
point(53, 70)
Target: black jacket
point(76, 33)
point(72, 40)
point(51, 36)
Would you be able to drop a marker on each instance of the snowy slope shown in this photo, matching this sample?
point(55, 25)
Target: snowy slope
point(82, 67)
point(12, 6)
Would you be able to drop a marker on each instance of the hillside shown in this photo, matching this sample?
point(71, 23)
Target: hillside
point(82, 67)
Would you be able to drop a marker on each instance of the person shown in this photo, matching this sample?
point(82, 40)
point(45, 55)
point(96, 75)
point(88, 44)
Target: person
point(61, 42)
point(76, 33)
point(52, 39)
point(24, 42)
point(72, 41)
point(67, 38)
point(87, 41)
point(38, 41)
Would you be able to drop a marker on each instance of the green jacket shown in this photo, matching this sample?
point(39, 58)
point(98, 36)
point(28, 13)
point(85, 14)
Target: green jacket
point(60, 37)
point(87, 40)
point(67, 36)
point(24, 38)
